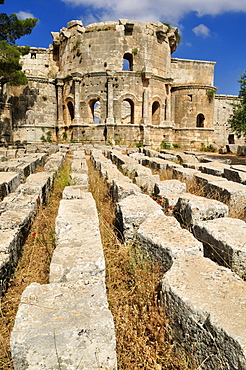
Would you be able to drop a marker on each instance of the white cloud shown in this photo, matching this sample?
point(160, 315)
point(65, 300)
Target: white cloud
point(201, 30)
point(162, 10)
point(24, 15)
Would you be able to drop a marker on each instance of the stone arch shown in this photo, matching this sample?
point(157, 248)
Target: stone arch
point(156, 109)
point(127, 111)
point(200, 118)
point(69, 112)
point(127, 62)
point(95, 110)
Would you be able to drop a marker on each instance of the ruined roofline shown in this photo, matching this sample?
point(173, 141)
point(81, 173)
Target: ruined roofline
point(225, 96)
point(192, 86)
point(175, 60)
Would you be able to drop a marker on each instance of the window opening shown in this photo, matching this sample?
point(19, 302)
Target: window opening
point(156, 113)
point(200, 120)
point(127, 111)
point(127, 62)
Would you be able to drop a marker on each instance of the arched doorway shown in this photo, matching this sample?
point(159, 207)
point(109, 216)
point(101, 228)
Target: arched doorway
point(127, 111)
point(200, 120)
point(156, 113)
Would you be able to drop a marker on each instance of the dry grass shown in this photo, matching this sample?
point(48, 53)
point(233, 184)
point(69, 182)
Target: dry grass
point(33, 265)
point(142, 335)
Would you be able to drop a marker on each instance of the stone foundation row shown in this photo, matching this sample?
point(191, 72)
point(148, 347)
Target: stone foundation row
point(66, 324)
point(18, 209)
point(205, 302)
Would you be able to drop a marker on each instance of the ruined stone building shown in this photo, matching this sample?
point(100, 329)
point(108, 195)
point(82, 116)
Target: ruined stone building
point(116, 82)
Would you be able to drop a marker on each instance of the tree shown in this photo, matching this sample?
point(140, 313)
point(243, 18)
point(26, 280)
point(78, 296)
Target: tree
point(237, 120)
point(11, 29)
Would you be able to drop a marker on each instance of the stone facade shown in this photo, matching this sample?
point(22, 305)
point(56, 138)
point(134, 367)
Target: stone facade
point(115, 82)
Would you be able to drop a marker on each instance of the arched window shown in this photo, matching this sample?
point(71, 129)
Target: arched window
point(156, 113)
point(200, 120)
point(95, 110)
point(127, 62)
point(127, 111)
point(70, 110)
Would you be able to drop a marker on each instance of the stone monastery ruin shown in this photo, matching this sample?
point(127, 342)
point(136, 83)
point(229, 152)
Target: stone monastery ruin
point(185, 210)
point(116, 82)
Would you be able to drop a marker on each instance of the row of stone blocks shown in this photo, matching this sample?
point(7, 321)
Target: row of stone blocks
point(223, 238)
point(204, 301)
point(66, 324)
point(17, 211)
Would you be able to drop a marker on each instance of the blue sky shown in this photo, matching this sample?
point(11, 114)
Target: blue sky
point(212, 30)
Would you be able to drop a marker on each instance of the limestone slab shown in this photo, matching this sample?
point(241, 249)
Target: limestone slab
point(224, 241)
point(164, 240)
point(64, 326)
point(191, 209)
point(169, 186)
point(132, 211)
point(206, 306)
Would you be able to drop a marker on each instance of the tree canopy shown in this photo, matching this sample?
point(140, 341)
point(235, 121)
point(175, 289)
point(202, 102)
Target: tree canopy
point(237, 121)
point(11, 29)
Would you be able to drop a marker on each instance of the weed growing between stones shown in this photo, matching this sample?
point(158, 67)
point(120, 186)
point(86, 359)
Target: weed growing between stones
point(142, 334)
point(33, 265)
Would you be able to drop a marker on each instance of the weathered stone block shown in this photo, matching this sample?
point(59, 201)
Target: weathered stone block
point(213, 168)
point(224, 241)
point(9, 181)
point(206, 307)
point(184, 174)
point(191, 209)
point(64, 326)
point(42, 182)
point(147, 183)
point(78, 253)
point(164, 240)
point(135, 169)
point(234, 175)
point(79, 166)
point(132, 211)
point(169, 187)
point(79, 179)
point(74, 192)
point(122, 188)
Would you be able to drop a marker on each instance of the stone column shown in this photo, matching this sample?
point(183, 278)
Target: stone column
point(110, 101)
point(77, 118)
point(168, 104)
point(146, 119)
point(146, 106)
point(59, 88)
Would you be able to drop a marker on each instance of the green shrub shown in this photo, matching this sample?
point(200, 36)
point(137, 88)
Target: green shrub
point(176, 146)
point(165, 145)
